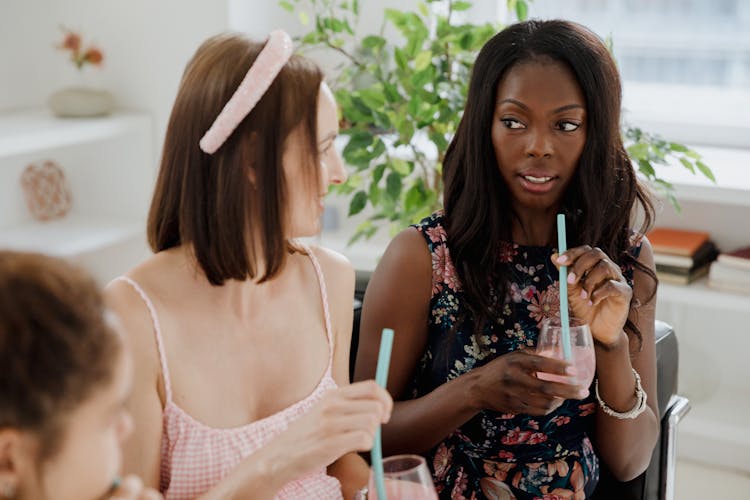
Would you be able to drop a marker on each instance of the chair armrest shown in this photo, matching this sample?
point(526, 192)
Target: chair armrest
point(678, 407)
point(667, 364)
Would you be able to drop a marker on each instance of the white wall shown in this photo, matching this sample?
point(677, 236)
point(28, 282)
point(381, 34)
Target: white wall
point(146, 45)
point(257, 21)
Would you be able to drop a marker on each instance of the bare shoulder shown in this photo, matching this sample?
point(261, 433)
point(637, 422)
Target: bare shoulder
point(646, 255)
point(331, 261)
point(407, 256)
point(397, 297)
point(403, 279)
point(644, 284)
point(408, 244)
point(124, 295)
point(126, 301)
point(337, 270)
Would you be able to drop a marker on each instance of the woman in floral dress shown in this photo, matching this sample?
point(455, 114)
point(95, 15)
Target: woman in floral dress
point(467, 288)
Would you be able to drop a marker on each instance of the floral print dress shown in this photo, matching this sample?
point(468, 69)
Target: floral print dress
point(494, 455)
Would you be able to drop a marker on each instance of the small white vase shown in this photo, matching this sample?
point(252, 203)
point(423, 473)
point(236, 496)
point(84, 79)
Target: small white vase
point(81, 102)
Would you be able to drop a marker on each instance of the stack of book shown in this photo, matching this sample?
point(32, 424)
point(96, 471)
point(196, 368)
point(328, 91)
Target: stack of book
point(681, 256)
point(731, 271)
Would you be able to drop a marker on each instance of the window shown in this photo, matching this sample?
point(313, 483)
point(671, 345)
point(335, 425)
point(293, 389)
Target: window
point(685, 63)
point(685, 66)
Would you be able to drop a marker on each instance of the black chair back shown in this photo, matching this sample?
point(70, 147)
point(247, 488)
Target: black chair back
point(647, 486)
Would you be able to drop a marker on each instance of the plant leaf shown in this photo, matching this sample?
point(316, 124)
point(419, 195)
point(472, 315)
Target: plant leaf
point(358, 202)
point(377, 173)
point(664, 184)
point(522, 10)
point(460, 6)
point(686, 163)
point(645, 167)
point(401, 61)
point(373, 42)
point(415, 197)
point(423, 60)
point(286, 6)
point(393, 185)
point(374, 194)
point(391, 93)
point(705, 171)
point(373, 97)
point(400, 166)
point(638, 151)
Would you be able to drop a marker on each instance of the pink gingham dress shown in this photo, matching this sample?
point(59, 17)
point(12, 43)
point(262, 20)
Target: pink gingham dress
point(194, 456)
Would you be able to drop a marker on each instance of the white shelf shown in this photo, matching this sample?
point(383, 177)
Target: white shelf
point(699, 294)
point(36, 130)
point(70, 236)
point(717, 432)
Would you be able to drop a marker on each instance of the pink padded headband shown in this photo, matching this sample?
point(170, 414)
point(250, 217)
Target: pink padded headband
point(259, 77)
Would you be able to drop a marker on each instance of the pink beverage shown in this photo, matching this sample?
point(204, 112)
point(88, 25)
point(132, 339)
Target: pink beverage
point(406, 477)
point(399, 489)
point(549, 344)
point(584, 360)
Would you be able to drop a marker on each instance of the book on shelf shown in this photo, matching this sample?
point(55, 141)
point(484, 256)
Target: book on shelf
point(681, 275)
point(727, 277)
point(705, 253)
point(739, 259)
point(676, 241)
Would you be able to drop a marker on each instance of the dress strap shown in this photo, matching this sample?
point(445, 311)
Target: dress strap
point(157, 332)
point(324, 296)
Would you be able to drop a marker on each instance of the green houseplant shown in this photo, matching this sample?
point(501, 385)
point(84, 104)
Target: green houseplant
point(402, 100)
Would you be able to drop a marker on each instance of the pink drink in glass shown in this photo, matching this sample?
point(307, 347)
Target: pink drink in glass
point(550, 345)
point(406, 478)
point(400, 489)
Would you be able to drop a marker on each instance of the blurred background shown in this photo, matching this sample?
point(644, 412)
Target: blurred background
point(686, 72)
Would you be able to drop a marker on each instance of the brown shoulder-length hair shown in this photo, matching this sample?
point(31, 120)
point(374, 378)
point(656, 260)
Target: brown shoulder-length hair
point(231, 206)
point(56, 345)
point(602, 196)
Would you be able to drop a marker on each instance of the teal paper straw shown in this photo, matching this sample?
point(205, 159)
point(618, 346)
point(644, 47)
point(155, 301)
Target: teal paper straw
point(381, 377)
point(562, 246)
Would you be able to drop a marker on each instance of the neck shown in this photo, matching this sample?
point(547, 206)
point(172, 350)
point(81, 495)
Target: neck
point(239, 298)
point(534, 227)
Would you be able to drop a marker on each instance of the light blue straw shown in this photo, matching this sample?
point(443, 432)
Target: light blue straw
point(381, 377)
point(562, 246)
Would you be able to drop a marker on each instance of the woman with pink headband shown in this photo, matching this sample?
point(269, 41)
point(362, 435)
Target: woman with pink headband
point(240, 333)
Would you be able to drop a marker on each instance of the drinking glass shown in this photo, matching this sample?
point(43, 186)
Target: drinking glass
point(407, 477)
point(549, 344)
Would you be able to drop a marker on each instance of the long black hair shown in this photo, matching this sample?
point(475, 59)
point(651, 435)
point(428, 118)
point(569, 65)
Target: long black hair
point(598, 203)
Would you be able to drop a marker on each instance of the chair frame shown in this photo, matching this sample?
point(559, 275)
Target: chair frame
point(679, 406)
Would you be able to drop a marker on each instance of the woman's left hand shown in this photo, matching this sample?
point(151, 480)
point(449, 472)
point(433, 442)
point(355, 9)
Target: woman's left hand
point(597, 292)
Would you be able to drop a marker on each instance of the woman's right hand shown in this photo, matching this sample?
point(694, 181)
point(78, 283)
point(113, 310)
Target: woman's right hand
point(508, 384)
point(345, 420)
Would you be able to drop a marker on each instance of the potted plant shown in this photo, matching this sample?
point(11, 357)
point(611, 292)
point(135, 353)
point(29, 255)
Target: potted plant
point(401, 101)
point(80, 101)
